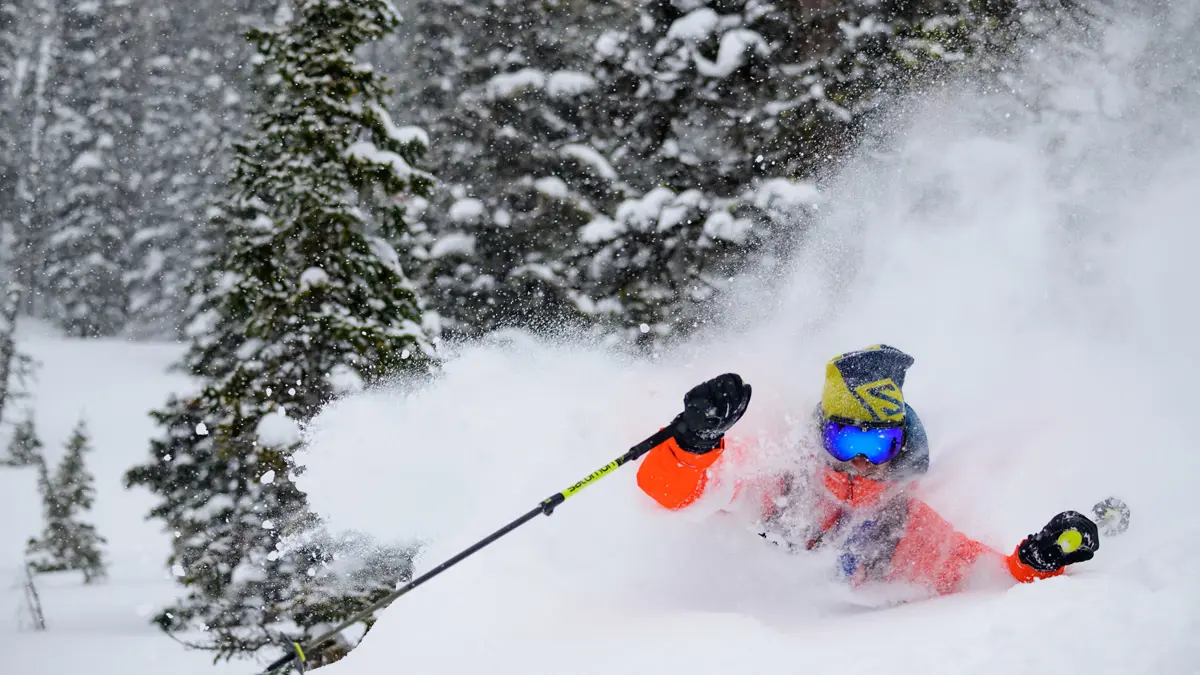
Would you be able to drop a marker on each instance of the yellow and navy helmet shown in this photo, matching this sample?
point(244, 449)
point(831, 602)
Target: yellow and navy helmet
point(864, 387)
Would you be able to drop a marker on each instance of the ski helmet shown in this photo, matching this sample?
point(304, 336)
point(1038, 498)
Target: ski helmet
point(865, 388)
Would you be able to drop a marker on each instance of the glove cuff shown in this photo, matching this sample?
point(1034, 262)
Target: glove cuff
point(1025, 573)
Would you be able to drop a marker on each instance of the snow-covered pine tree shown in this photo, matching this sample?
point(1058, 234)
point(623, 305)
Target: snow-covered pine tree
point(194, 111)
point(723, 106)
point(24, 117)
point(693, 82)
point(311, 295)
point(507, 85)
point(16, 367)
point(24, 447)
point(90, 155)
point(67, 542)
point(13, 49)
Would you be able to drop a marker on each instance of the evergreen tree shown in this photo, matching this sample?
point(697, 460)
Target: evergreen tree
point(16, 367)
point(310, 292)
point(67, 543)
point(517, 107)
point(13, 48)
point(33, 33)
point(24, 448)
point(692, 87)
point(724, 107)
point(91, 137)
point(193, 100)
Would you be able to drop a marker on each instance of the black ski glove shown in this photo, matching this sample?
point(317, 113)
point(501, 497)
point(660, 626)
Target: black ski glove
point(709, 409)
point(1043, 552)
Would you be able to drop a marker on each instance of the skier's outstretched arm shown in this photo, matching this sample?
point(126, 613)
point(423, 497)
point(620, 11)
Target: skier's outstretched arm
point(933, 554)
point(675, 473)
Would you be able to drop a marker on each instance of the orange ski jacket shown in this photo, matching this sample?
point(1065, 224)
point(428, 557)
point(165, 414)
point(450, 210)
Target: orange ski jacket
point(923, 549)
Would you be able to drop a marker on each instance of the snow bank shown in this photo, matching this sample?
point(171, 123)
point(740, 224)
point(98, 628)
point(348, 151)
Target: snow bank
point(1042, 289)
point(103, 629)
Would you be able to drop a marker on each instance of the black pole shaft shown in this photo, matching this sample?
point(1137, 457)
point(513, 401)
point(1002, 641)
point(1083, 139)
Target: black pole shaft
point(546, 507)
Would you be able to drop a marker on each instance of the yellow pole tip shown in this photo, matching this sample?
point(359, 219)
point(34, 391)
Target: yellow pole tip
point(1070, 541)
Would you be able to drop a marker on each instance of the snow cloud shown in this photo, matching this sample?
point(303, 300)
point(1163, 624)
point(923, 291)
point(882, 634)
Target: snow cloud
point(1039, 269)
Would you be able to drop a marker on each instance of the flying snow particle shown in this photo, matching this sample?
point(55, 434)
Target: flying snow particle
point(268, 477)
point(268, 525)
point(645, 328)
point(201, 429)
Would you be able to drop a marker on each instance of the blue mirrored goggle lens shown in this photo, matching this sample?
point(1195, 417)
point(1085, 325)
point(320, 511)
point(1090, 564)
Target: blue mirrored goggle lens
point(845, 442)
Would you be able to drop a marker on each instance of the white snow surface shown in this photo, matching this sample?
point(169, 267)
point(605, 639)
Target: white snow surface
point(467, 210)
point(591, 158)
point(405, 134)
point(694, 26)
point(1040, 273)
point(552, 186)
point(277, 430)
point(722, 225)
point(601, 228)
point(506, 85)
point(452, 243)
point(313, 277)
point(568, 83)
point(784, 193)
point(731, 55)
point(103, 629)
point(366, 151)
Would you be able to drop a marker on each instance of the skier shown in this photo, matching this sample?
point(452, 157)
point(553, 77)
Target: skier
point(875, 446)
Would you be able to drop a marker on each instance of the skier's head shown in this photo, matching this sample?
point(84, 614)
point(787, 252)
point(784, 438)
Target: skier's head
point(865, 424)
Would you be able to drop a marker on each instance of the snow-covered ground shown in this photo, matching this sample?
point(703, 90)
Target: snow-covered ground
point(103, 628)
point(1038, 269)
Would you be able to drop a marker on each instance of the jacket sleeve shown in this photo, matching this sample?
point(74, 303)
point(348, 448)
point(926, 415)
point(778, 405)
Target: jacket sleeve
point(675, 477)
point(933, 554)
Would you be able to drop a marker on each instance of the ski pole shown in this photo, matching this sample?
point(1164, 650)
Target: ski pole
point(546, 507)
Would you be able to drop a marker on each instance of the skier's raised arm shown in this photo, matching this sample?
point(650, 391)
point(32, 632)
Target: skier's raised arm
point(675, 473)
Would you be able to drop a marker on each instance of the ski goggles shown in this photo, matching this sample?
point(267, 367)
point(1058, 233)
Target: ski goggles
point(877, 444)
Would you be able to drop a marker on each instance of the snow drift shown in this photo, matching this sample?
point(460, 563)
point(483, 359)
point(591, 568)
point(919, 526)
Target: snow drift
point(1038, 268)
